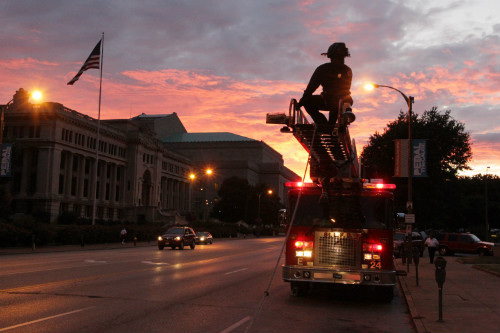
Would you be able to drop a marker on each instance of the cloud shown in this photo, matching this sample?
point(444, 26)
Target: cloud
point(222, 65)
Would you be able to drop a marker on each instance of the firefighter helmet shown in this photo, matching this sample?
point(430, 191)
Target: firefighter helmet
point(337, 50)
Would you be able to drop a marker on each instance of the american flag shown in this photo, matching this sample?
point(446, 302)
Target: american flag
point(91, 62)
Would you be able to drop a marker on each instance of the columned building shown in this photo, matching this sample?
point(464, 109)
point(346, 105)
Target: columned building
point(53, 163)
point(52, 166)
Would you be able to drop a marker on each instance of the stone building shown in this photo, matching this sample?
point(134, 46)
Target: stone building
point(49, 164)
point(53, 165)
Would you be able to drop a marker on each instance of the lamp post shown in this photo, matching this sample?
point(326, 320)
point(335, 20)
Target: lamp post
point(269, 192)
point(194, 176)
point(409, 218)
point(486, 204)
point(409, 101)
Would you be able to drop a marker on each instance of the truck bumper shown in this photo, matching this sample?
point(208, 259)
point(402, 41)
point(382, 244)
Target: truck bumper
point(339, 276)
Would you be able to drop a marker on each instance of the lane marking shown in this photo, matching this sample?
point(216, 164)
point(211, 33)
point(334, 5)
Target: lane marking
point(154, 263)
point(235, 325)
point(43, 319)
point(91, 261)
point(236, 271)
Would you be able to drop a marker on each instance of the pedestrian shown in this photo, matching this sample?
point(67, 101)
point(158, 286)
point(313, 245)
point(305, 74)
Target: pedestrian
point(335, 78)
point(123, 235)
point(432, 245)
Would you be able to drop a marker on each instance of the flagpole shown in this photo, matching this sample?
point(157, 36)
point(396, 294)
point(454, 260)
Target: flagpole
point(98, 133)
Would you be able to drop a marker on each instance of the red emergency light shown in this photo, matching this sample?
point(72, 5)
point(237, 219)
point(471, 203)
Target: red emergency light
point(379, 186)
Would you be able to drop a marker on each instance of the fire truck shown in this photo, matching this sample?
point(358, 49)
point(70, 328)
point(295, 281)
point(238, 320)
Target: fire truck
point(340, 227)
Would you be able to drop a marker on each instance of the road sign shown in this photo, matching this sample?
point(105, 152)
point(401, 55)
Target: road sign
point(409, 218)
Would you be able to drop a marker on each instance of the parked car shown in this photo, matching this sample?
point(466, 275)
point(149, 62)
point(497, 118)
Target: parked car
point(417, 240)
point(451, 242)
point(177, 237)
point(204, 237)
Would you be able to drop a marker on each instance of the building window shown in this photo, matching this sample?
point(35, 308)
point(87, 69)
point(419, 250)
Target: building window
point(85, 188)
point(61, 184)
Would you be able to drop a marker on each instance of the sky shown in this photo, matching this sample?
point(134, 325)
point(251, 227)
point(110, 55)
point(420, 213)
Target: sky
point(222, 65)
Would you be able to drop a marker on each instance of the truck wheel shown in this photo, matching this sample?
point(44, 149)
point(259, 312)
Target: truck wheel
point(299, 289)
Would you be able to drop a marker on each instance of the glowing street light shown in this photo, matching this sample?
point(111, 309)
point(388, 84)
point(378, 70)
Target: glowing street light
point(409, 205)
point(269, 192)
point(409, 101)
point(193, 176)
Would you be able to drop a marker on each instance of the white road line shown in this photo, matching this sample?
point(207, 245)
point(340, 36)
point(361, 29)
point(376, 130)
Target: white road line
point(43, 319)
point(92, 261)
point(232, 327)
point(154, 263)
point(236, 271)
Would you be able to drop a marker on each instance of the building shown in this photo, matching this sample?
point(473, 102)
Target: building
point(53, 165)
point(49, 165)
point(229, 155)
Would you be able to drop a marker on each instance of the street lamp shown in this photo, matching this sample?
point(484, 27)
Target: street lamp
point(409, 101)
point(269, 192)
point(409, 218)
point(198, 175)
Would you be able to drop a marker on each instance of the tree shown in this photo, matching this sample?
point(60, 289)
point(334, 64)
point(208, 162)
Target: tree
point(448, 152)
point(240, 200)
point(232, 204)
point(448, 146)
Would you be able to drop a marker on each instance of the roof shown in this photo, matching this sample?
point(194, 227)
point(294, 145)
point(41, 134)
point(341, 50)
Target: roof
point(143, 115)
point(206, 137)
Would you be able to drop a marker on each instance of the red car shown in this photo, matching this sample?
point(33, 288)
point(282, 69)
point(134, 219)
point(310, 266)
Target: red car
point(450, 243)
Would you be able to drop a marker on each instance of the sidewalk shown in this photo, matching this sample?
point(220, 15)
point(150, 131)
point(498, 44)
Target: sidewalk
point(470, 303)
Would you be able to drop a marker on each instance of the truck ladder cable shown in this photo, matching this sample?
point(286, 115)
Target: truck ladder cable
point(266, 292)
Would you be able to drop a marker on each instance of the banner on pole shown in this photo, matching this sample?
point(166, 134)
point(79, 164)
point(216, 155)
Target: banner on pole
point(419, 157)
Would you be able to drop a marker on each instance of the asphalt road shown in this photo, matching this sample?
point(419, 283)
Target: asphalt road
point(214, 288)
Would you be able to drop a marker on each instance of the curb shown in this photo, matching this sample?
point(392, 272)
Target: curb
point(416, 318)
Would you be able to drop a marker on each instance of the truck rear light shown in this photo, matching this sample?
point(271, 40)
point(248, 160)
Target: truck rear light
point(304, 248)
point(369, 247)
point(303, 244)
point(306, 254)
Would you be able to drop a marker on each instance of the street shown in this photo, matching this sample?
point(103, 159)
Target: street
point(213, 288)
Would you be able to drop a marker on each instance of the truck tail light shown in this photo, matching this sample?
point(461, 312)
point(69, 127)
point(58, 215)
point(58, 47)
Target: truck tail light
point(372, 251)
point(304, 249)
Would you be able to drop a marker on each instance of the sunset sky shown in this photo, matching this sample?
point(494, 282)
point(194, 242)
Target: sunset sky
point(221, 65)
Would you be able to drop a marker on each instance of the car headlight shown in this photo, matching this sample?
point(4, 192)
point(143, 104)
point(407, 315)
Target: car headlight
point(178, 238)
point(160, 238)
point(202, 238)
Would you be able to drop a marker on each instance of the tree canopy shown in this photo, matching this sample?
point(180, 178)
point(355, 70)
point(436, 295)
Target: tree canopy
point(239, 201)
point(448, 145)
point(438, 201)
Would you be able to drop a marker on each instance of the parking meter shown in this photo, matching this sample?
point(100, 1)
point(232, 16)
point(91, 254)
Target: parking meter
point(416, 259)
point(416, 255)
point(440, 264)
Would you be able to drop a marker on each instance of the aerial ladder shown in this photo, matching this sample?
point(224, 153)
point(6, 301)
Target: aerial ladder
point(332, 152)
